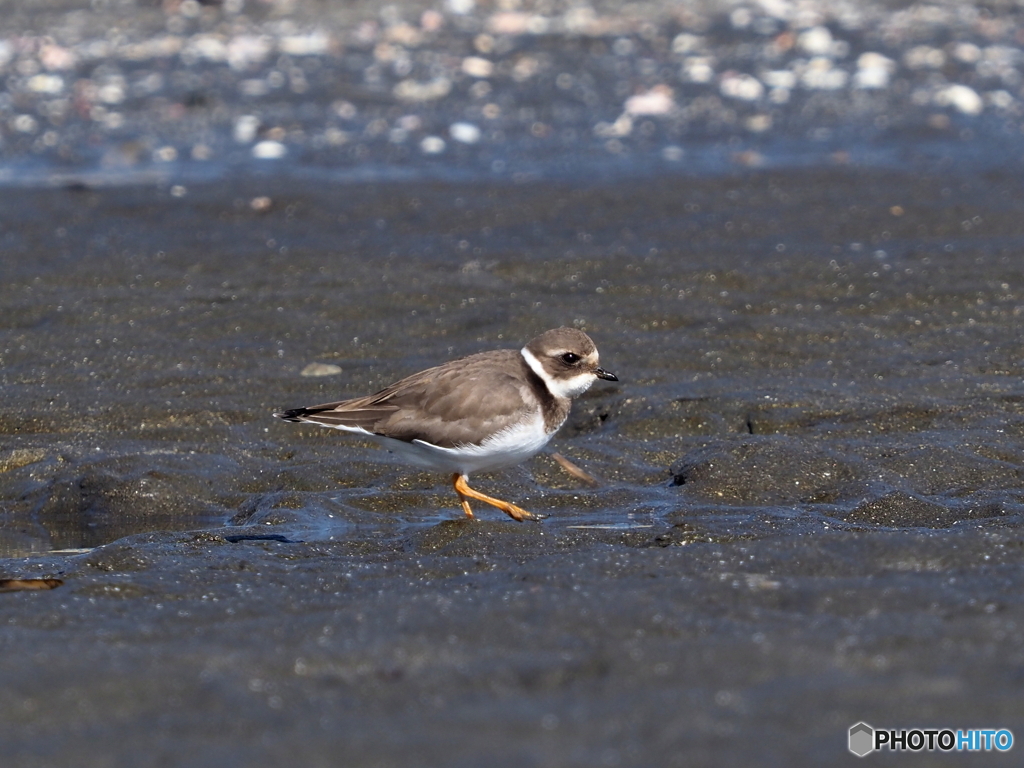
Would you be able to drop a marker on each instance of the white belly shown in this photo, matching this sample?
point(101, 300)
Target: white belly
point(503, 449)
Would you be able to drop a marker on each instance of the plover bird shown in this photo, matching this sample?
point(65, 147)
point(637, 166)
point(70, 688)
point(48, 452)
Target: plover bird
point(475, 414)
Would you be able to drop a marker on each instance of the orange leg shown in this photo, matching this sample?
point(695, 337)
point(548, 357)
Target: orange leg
point(466, 493)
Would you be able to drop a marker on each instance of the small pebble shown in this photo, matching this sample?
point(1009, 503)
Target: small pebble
point(321, 369)
point(467, 133)
point(432, 145)
point(269, 150)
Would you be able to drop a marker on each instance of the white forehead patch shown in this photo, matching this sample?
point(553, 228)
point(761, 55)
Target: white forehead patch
point(571, 387)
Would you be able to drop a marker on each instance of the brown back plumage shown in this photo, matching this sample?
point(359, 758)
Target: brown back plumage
point(448, 405)
point(466, 401)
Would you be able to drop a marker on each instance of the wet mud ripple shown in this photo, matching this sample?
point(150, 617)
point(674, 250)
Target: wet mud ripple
point(810, 474)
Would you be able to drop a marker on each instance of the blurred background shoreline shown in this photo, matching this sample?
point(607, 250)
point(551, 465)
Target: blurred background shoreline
point(116, 91)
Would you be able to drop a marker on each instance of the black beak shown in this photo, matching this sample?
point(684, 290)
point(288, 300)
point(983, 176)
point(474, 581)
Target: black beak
point(601, 373)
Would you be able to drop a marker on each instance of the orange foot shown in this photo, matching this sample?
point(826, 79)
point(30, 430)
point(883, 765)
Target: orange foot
point(461, 485)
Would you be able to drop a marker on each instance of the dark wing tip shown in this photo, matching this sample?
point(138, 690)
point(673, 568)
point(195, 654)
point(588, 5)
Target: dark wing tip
point(293, 414)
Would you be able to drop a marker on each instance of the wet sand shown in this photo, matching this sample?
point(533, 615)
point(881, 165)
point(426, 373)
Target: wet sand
point(811, 497)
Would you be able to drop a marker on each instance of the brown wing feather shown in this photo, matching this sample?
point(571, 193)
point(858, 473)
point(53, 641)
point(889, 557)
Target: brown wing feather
point(451, 404)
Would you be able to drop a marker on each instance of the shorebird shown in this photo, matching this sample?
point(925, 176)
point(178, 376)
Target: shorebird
point(476, 414)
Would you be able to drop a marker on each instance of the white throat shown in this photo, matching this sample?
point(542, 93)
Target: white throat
point(560, 388)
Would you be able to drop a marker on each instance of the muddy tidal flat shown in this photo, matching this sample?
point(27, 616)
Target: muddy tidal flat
point(810, 508)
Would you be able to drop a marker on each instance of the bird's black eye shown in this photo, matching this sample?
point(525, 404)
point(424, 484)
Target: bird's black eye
point(570, 358)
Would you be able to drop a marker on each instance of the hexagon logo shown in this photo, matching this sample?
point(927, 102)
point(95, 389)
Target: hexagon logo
point(862, 739)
